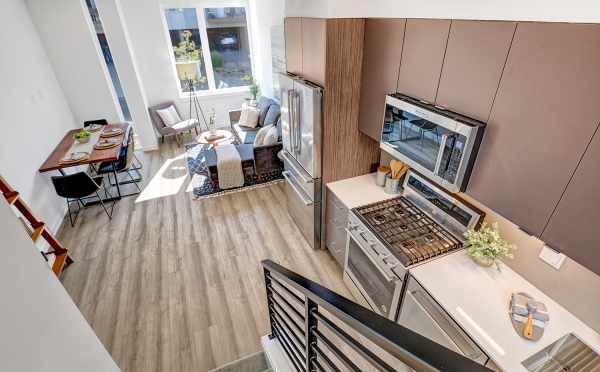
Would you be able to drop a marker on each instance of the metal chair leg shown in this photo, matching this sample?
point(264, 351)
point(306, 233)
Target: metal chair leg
point(69, 210)
point(104, 206)
point(133, 180)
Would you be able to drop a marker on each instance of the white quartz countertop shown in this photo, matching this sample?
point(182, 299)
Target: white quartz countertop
point(477, 299)
point(357, 191)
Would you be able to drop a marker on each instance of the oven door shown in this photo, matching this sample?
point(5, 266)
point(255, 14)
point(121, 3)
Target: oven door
point(380, 290)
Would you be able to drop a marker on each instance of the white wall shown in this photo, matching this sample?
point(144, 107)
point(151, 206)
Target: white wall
point(34, 114)
point(265, 15)
point(70, 43)
point(534, 10)
point(117, 34)
point(42, 329)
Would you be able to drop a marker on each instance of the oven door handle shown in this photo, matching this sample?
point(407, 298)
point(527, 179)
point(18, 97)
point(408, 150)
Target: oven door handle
point(385, 275)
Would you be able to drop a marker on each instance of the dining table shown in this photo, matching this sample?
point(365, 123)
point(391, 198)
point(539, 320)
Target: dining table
point(55, 161)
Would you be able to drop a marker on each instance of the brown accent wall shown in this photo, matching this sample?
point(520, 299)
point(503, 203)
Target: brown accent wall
point(346, 151)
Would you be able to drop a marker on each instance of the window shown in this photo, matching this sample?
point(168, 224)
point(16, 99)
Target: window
point(210, 48)
point(108, 59)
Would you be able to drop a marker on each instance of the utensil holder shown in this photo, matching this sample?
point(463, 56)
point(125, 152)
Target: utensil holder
point(391, 184)
point(381, 175)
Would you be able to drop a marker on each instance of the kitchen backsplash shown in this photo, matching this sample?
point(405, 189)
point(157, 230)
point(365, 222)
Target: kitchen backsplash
point(573, 286)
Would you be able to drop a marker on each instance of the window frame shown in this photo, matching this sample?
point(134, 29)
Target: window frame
point(200, 7)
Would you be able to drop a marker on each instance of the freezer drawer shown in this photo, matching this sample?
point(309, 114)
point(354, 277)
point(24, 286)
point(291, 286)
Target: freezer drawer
point(305, 213)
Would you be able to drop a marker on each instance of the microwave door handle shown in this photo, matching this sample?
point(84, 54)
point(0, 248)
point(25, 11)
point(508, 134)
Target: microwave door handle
point(438, 162)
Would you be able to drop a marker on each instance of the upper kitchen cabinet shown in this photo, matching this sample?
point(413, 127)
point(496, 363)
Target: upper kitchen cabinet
point(313, 49)
point(422, 57)
point(473, 64)
point(573, 228)
point(381, 62)
point(293, 45)
point(543, 117)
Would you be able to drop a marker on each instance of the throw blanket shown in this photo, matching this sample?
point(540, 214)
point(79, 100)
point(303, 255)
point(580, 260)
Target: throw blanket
point(229, 167)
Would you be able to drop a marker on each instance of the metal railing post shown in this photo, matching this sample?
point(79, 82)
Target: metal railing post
point(269, 301)
point(310, 322)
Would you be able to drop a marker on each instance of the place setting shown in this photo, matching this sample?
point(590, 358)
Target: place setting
point(104, 144)
point(111, 132)
point(74, 157)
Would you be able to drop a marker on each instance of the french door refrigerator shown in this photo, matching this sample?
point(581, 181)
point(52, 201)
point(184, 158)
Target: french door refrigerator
point(301, 119)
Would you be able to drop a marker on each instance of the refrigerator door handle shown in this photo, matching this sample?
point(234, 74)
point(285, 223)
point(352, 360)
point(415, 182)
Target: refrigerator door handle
point(290, 102)
point(292, 182)
point(298, 139)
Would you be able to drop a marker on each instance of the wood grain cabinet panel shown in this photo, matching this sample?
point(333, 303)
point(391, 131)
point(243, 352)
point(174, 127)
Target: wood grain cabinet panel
point(422, 57)
point(313, 49)
point(473, 64)
point(574, 226)
point(543, 117)
point(381, 63)
point(293, 45)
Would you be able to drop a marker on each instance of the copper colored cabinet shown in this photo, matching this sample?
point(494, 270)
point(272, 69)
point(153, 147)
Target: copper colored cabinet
point(293, 45)
point(381, 62)
point(473, 64)
point(543, 117)
point(422, 57)
point(573, 228)
point(313, 49)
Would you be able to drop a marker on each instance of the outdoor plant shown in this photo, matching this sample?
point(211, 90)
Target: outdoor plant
point(486, 246)
point(217, 59)
point(186, 50)
point(82, 135)
point(252, 86)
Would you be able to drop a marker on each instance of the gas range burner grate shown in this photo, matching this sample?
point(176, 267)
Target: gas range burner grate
point(409, 233)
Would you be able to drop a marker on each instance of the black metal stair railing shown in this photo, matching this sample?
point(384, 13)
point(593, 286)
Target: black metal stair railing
point(305, 315)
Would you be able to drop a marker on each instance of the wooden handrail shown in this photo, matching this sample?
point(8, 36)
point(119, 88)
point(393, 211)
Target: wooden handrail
point(61, 254)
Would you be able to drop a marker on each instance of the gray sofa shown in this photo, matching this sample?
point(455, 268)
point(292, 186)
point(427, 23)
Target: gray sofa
point(265, 157)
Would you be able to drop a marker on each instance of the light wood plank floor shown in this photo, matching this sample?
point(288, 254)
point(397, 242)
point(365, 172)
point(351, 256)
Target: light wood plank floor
point(175, 284)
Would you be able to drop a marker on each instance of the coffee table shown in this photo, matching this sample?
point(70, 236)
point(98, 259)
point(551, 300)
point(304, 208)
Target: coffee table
point(225, 137)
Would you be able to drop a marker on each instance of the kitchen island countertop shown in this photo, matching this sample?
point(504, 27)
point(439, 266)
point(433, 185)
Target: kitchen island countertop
point(477, 299)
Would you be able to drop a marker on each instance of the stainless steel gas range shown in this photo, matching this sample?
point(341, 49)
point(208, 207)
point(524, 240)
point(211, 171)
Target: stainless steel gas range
point(387, 238)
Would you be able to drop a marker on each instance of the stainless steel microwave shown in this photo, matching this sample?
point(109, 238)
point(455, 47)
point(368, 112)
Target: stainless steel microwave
point(440, 144)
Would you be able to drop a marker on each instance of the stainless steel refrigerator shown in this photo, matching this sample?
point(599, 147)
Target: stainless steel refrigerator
point(301, 119)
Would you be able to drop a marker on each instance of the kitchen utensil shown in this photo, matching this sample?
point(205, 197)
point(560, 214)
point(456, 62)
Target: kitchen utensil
point(382, 171)
point(519, 306)
point(528, 329)
point(391, 184)
point(520, 320)
point(396, 167)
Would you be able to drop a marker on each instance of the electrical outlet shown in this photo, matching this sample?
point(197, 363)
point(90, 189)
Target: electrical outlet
point(552, 257)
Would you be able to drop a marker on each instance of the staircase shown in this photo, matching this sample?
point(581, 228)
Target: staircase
point(315, 329)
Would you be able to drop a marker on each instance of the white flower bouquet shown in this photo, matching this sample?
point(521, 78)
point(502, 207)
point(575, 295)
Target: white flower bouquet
point(486, 246)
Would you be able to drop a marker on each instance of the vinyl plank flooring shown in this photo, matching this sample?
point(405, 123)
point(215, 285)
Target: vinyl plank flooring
point(175, 284)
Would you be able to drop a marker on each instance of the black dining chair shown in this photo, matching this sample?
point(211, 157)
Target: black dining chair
point(125, 164)
point(77, 186)
point(95, 122)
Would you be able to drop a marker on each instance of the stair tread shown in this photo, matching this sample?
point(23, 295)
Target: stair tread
point(256, 362)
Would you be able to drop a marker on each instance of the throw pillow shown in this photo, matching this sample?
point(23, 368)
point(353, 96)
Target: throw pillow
point(249, 116)
point(169, 116)
point(260, 136)
point(271, 137)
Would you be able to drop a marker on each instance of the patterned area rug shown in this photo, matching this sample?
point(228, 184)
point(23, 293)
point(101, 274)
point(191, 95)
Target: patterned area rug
point(195, 156)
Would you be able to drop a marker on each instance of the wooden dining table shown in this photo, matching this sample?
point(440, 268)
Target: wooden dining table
point(53, 162)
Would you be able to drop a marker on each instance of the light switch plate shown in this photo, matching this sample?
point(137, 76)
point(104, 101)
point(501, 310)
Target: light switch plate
point(552, 257)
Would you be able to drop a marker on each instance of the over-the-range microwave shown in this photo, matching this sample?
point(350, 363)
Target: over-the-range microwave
point(440, 144)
